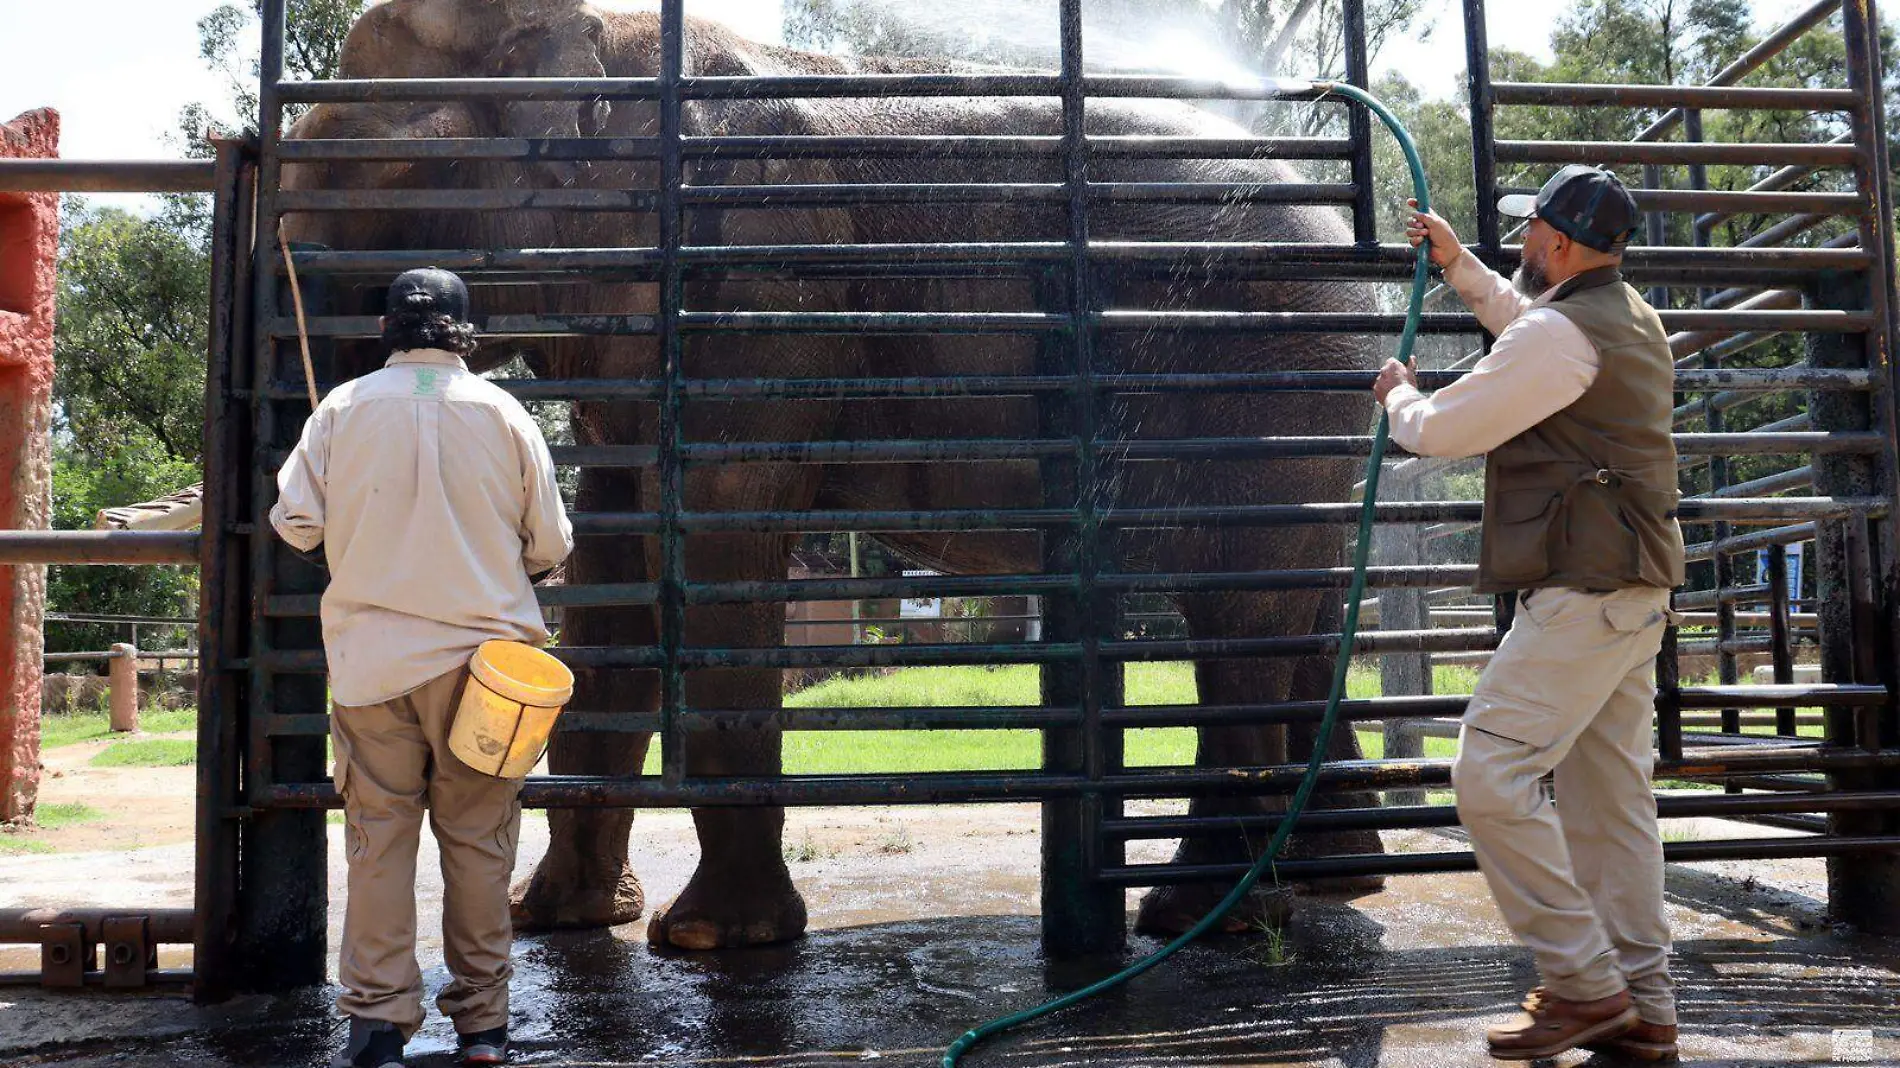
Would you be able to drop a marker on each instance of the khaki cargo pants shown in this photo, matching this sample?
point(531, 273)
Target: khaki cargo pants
point(392, 762)
point(1572, 690)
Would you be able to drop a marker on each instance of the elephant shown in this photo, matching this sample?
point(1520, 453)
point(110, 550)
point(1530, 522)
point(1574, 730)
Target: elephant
point(742, 892)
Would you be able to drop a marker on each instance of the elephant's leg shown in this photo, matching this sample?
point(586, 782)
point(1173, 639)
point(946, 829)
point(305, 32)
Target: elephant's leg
point(741, 894)
point(585, 879)
point(1172, 909)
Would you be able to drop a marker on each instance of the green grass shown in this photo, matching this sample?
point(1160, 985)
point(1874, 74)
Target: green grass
point(13, 843)
point(148, 753)
point(1167, 683)
point(64, 814)
point(59, 729)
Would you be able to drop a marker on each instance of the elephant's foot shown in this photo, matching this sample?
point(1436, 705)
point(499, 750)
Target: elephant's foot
point(728, 911)
point(1336, 844)
point(559, 896)
point(1170, 910)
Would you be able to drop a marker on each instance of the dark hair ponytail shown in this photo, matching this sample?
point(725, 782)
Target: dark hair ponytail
point(418, 325)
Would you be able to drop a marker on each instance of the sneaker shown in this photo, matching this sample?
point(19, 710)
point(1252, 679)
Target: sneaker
point(1550, 1025)
point(372, 1044)
point(1645, 1042)
point(484, 1047)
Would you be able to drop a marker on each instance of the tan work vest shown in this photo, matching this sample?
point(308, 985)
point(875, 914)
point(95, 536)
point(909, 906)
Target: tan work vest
point(1587, 498)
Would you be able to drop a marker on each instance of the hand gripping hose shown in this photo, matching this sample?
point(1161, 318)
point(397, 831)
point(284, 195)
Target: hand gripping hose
point(1349, 631)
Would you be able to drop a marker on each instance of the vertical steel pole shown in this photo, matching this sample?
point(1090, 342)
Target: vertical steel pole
point(1080, 914)
point(1723, 565)
point(214, 893)
point(672, 474)
point(283, 888)
point(1865, 891)
point(1365, 222)
point(1484, 154)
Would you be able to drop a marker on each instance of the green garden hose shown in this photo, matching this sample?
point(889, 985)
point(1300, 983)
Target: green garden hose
point(1348, 631)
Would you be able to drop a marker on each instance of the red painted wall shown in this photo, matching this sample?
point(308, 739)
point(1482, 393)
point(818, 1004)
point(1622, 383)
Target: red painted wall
point(29, 245)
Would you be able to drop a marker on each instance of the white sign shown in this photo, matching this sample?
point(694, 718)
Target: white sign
point(920, 607)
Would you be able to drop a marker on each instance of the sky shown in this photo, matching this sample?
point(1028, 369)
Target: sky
point(119, 70)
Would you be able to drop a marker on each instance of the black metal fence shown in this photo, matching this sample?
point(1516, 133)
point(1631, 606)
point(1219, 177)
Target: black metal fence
point(262, 770)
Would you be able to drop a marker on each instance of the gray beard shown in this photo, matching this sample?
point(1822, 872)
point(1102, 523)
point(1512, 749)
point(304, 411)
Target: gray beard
point(1530, 280)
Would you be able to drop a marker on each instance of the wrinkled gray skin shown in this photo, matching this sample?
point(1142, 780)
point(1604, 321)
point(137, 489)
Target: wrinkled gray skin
point(742, 893)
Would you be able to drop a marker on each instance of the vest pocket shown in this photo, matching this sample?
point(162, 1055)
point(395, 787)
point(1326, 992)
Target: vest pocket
point(1517, 540)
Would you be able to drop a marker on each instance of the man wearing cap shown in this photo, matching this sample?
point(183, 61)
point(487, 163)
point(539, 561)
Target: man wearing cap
point(433, 496)
point(1572, 409)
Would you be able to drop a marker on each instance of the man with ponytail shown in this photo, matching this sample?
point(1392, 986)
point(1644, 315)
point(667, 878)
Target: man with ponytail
point(432, 496)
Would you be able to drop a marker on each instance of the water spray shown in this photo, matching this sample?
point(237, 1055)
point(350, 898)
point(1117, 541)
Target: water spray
point(1349, 630)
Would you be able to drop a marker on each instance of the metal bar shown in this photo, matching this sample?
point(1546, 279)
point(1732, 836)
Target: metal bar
point(1717, 445)
point(1365, 223)
point(23, 925)
point(1743, 543)
point(1753, 154)
point(1691, 200)
point(671, 433)
point(1429, 863)
point(280, 910)
point(1482, 99)
point(1770, 47)
point(806, 86)
point(1204, 255)
point(1765, 509)
point(1575, 95)
point(1738, 384)
point(98, 547)
point(1795, 478)
point(107, 176)
point(217, 767)
point(1079, 915)
point(1668, 806)
point(945, 787)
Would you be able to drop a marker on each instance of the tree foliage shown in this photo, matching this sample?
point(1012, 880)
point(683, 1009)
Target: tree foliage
point(129, 347)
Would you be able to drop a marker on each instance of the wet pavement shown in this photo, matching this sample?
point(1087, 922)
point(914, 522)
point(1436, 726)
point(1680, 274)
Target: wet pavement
point(922, 928)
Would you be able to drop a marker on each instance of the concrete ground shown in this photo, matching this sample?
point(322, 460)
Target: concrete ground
point(923, 924)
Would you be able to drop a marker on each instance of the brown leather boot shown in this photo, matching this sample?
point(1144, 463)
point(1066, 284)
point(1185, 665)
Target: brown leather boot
point(1550, 1025)
point(1644, 1042)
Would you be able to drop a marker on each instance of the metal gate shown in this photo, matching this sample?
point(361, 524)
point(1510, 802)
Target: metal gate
point(263, 782)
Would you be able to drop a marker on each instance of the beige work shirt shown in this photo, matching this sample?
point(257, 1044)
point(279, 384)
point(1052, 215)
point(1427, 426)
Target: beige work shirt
point(433, 495)
point(1539, 365)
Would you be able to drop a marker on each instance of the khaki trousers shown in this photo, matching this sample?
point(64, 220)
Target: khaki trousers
point(392, 761)
point(1572, 691)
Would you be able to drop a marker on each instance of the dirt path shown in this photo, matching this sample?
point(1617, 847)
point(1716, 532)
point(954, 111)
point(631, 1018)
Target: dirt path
point(138, 807)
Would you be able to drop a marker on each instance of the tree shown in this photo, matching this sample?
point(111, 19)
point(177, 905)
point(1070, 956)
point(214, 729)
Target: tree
point(128, 398)
point(227, 42)
point(129, 348)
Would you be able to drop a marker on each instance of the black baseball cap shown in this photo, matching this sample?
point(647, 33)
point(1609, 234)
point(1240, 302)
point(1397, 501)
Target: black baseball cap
point(429, 289)
point(1588, 204)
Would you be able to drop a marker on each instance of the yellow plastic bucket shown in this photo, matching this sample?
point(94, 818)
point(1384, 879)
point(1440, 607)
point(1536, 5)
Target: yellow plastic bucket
point(514, 694)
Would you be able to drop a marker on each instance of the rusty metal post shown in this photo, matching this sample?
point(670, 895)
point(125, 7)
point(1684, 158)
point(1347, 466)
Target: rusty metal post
point(222, 585)
point(1865, 891)
point(1081, 915)
point(1484, 159)
point(122, 676)
point(1862, 890)
point(283, 889)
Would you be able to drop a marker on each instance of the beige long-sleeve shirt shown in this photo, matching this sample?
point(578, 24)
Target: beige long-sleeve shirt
point(1539, 365)
point(433, 495)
